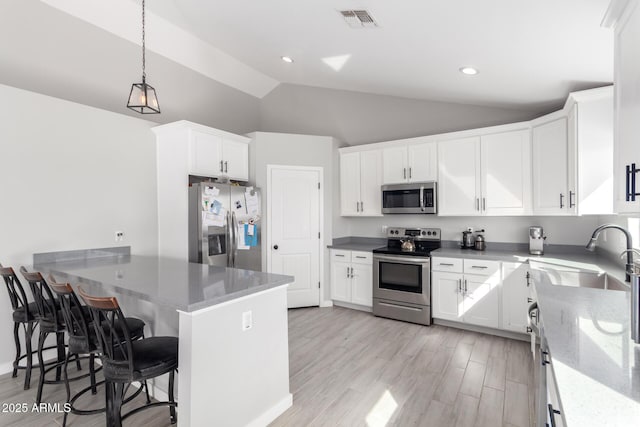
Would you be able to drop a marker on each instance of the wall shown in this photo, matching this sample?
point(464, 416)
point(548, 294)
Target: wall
point(614, 241)
point(559, 230)
point(357, 118)
point(299, 150)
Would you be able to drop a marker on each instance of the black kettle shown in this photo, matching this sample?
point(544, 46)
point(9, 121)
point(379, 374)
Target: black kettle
point(468, 241)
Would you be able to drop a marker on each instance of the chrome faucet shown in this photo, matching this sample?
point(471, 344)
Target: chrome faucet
point(629, 251)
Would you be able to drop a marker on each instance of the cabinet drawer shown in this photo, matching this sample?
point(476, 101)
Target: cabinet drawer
point(453, 265)
point(482, 267)
point(361, 257)
point(340, 255)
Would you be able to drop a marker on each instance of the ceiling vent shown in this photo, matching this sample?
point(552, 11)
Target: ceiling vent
point(358, 19)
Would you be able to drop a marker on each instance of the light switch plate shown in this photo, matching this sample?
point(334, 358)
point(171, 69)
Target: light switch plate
point(247, 321)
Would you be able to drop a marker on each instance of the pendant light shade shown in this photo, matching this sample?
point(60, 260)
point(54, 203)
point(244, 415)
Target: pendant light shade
point(143, 98)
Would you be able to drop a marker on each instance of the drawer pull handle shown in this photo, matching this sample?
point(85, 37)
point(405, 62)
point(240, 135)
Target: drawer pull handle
point(339, 255)
point(361, 257)
point(447, 264)
point(479, 266)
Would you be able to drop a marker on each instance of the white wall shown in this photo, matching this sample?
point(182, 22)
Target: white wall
point(559, 230)
point(299, 150)
point(615, 241)
point(70, 176)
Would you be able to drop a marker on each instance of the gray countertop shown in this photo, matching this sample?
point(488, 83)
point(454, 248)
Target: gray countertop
point(167, 282)
point(595, 363)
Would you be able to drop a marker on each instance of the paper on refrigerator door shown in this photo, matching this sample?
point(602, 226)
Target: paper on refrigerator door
point(211, 191)
point(241, 237)
point(212, 219)
point(252, 202)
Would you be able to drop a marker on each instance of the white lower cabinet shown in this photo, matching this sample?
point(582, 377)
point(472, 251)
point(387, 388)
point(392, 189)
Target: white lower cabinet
point(468, 298)
point(352, 277)
point(516, 296)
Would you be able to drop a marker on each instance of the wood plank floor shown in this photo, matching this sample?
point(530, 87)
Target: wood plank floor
point(349, 368)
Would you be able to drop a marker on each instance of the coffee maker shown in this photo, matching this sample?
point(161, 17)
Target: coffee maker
point(536, 240)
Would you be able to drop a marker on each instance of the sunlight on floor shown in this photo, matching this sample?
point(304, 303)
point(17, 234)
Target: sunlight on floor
point(382, 411)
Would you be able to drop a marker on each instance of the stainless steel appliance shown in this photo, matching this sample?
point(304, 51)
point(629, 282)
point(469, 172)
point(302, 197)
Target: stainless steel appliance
point(481, 243)
point(417, 197)
point(536, 240)
point(402, 279)
point(468, 241)
point(224, 225)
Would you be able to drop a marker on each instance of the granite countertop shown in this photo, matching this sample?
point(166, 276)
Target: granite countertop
point(167, 282)
point(595, 363)
point(364, 244)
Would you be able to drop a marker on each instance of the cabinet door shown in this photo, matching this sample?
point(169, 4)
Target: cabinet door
point(205, 154)
point(627, 106)
point(362, 284)
point(445, 295)
point(423, 162)
point(458, 176)
point(506, 173)
point(370, 182)
point(481, 300)
point(394, 165)
point(340, 281)
point(515, 296)
point(550, 194)
point(235, 156)
point(572, 161)
point(349, 184)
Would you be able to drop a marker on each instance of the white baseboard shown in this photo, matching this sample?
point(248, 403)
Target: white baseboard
point(5, 368)
point(326, 303)
point(352, 306)
point(482, 329)
point(272, 413)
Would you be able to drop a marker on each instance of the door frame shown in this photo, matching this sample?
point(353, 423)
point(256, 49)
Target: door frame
point(267, 247)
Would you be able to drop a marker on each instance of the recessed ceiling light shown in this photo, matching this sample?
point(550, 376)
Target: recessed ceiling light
point(287, 59)
point(470, 71)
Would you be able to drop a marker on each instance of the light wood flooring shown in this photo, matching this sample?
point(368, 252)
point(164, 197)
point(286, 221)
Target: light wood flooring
point(349, 368)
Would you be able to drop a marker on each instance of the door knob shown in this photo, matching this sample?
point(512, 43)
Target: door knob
point(275, 247)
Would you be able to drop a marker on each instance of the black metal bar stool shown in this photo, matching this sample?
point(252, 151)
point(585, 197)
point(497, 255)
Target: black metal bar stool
point(25, 314)
point(83, 340)
point(50, 322)
point(125, 361)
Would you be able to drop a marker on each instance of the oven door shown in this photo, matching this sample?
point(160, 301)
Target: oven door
point(402, 278)
point(409, 198)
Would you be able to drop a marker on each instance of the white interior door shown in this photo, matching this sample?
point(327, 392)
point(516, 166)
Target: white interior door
point(293, 223)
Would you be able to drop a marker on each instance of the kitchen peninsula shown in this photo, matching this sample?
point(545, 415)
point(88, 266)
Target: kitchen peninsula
point(232, 326)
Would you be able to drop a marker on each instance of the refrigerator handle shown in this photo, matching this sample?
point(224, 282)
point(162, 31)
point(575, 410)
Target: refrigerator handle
point(228, 238)
point(234, 246)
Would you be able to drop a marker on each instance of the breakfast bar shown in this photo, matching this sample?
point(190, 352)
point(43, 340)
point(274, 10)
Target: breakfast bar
point(231, 323)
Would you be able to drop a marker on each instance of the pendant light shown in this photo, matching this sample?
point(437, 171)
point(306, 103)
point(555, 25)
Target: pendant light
point(142, 98)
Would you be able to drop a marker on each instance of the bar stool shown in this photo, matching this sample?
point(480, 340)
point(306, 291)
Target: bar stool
point(125, 361)
point(25, 314)
point(83, 340)
point(50, 322)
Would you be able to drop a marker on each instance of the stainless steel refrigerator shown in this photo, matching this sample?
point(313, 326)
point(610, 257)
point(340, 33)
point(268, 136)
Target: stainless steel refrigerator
point(224, 225)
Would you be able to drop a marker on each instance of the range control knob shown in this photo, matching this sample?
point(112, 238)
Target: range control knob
point(429, 233)
point(424, 232)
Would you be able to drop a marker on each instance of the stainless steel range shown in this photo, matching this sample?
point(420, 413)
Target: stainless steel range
point(402, 276)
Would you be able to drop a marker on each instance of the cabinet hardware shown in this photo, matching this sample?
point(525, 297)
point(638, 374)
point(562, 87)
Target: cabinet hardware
point(348, 276)
point(221, 168)
point(361, 206)
point(529, 330)
point(528, 276)
point(561, 200)
point(572, 204)
point(477, 204)
point(443, 263)
point(465, 286)
point(543, 357)
point(479, 266)
point(552, 415)
point(339, 255)
point(630, 186)
point(409, 173)
point(275, 247)
point(484, 203)
point(357, 207)
point(404, 173)
point(459, 286)
point(225, 167)
point(361, 257)
point(529, 300)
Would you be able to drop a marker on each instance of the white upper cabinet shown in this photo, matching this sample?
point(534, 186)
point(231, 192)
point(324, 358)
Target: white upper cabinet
point(360, 181)
point(205, 154)
point(235, 157)
point(413, 161)
point(486, 175)
point(506, 173)
point(459, 176)
point(627, 104)
point(550, 174)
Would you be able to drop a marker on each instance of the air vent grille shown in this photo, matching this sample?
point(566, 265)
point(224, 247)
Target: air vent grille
point(358, 19)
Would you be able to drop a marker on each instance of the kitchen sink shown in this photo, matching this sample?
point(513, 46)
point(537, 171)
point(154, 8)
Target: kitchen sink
point(583, 279)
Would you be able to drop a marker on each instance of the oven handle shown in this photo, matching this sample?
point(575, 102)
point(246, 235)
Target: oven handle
point(422, 198)
point(403, 259)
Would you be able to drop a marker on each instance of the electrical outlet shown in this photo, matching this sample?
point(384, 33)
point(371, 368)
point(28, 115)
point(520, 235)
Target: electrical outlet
point(119, 236)
point(384, 229)
point(247, 321)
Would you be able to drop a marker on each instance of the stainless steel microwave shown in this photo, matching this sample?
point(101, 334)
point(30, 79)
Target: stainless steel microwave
point(417, 197)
